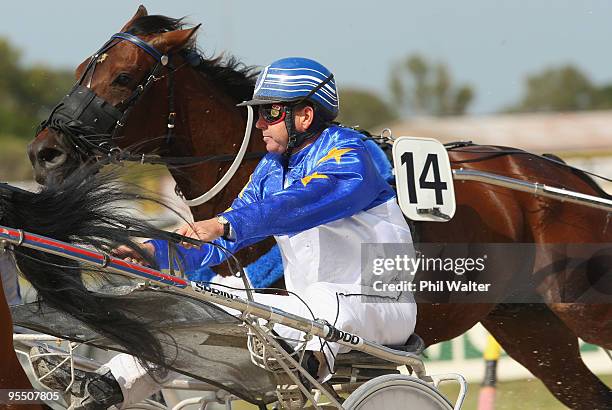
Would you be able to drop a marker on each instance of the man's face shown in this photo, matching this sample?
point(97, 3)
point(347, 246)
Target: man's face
point(271, 123)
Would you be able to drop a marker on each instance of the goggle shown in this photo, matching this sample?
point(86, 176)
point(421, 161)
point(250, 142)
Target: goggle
point(272, 113)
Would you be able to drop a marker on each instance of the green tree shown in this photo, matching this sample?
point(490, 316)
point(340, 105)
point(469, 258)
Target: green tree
point(564, 88)
point(603, 97)
point(10, 75)
point(426, 88)
point(364, 108)
point(27, 93)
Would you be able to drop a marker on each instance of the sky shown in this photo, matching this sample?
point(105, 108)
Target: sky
point(489, 44)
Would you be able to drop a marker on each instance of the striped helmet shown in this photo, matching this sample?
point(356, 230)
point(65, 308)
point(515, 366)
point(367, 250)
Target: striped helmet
point(295, 79)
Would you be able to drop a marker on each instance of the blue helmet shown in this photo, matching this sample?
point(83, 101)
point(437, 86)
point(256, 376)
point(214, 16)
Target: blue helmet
point(296, 79)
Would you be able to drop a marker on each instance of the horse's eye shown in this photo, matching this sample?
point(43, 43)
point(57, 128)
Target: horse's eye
point(122, 79)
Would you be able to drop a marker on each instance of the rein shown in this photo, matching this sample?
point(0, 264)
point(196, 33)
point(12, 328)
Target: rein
point(454, 146)
point(386, 137)
point(179, 162)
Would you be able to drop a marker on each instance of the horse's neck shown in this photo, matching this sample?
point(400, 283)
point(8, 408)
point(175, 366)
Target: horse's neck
point(214, 126)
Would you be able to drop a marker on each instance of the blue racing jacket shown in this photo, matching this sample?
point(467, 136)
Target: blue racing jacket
point(331, 179)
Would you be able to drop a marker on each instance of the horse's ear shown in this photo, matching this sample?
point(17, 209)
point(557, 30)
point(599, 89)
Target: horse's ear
point(141, 12)
point(173, 40)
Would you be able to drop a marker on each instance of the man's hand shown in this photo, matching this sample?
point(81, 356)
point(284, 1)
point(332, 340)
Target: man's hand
point(130, 255)
point(207, 230)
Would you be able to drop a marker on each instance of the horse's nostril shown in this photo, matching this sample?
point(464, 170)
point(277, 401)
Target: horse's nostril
point(50, 155)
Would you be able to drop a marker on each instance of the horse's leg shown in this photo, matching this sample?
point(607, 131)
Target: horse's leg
point(592, 323)
point(573, 269)
point(588, 282)
point(535, 337)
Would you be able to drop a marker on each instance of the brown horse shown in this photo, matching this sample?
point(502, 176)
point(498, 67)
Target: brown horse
point(11, 373)
point(195, 99)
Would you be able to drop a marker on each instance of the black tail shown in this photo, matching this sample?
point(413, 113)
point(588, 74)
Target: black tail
point(88, 209)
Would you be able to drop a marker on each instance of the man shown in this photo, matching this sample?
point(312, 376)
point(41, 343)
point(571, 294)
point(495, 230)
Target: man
point(319, 193)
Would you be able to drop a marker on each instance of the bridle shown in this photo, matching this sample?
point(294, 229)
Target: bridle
point(92, 125)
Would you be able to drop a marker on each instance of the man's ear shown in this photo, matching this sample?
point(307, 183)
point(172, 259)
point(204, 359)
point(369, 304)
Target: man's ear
point(304, 117)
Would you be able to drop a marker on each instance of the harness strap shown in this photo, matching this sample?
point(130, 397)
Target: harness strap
point(171, 112)
point(131, 101)
point(177, 162)
point(137, 41)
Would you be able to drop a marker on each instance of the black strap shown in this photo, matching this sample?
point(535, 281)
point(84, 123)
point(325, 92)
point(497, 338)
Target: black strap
point(317, 88)
point(457, 147)
point(297, 138)
point(185, 161)
point(171, 112)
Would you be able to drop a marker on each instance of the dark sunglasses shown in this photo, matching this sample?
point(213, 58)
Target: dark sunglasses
point(272, 113)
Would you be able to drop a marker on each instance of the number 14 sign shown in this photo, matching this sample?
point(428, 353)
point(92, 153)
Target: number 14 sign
point(424, 179)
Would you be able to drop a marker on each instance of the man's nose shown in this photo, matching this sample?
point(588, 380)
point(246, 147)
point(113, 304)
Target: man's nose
point(261, 124)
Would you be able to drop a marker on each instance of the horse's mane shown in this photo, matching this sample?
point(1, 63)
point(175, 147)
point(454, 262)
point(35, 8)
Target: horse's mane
point(237, 78)
point(88, 209)
point(590, 181)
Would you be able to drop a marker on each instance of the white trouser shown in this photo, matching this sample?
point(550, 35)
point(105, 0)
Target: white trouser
point(383, 322)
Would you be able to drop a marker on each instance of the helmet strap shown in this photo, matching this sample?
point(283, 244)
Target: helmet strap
point(296, 138)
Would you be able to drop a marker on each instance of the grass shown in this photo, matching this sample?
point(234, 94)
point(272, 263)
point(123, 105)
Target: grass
point(516, 395)
point(527, 394)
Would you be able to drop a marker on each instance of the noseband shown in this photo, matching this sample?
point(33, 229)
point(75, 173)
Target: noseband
point(91, 123)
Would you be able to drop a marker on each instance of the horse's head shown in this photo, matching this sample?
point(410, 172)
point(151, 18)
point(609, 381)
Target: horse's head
point(129, 77)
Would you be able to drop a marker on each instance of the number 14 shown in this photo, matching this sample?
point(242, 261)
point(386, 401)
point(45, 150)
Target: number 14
point(437, 185)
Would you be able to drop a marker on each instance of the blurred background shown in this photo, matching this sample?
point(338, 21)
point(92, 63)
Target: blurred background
point(532, 75)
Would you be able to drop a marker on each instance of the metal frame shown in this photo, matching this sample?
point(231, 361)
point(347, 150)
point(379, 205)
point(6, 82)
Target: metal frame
point(209, 293)
point(23, 343)
point(251, 310)
point(214, 394)
point(534, 188)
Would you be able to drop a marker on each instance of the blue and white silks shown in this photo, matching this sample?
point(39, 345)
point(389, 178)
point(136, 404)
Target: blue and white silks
point(327, 157)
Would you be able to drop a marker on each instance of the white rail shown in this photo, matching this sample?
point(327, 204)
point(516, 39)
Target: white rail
point(534, 188)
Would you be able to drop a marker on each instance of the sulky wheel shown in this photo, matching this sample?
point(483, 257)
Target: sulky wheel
point(395, 392)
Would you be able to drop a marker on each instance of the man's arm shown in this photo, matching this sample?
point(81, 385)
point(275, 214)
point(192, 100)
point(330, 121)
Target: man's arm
point(194, 258)
point(343, 183)
point(208, 255)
